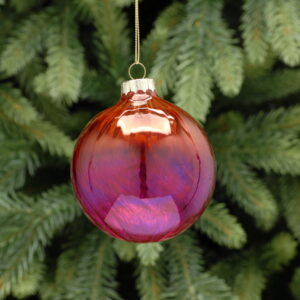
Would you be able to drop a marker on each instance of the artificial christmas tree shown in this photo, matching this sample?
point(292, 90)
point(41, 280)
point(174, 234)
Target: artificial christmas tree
point(62, 61)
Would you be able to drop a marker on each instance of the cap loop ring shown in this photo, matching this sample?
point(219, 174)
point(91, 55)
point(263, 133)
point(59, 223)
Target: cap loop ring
point(132, 65)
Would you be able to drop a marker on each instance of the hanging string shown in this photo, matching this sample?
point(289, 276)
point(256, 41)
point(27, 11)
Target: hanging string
point(137, 54)
point(137, 43)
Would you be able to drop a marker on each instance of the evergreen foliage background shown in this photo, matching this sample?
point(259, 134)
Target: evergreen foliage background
point(234, 65)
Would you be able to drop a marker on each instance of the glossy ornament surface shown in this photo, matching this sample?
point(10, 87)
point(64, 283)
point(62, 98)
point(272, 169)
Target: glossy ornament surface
point(143, 170)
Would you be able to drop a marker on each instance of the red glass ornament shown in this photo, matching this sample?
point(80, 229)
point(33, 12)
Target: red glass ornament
point(143, 170)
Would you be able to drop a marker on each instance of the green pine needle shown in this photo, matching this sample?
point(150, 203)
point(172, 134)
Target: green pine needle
point(193, 89)
point(279, 252)
point(295, 284)
point(250, 282)
point(283, 25)
point(24, 6)
point(62, 80)
point(187, 280)
point(24, 44)
point(168, 18)
point(16, 106)
point(18, 158)
point(151, 281)
point(149, 253)
point(28, 285)
point(275, 85)
point(254, 33)
point(226, 58)
point(26, 228)
point(222, 227)
point(248, 191)
point(126, 251)
point(290, 201)
point(95, 270)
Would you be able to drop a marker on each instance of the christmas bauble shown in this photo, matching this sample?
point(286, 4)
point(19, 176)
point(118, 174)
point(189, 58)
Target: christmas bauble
point(143, 170)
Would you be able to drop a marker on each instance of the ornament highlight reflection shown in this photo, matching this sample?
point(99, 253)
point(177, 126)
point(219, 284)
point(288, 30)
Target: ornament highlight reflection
point(143, 170)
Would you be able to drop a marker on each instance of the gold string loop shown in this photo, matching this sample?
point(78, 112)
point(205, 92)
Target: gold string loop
point(137, 64)
point(137, 42)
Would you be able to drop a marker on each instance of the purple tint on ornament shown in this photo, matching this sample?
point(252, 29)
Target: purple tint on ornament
point(143, 170)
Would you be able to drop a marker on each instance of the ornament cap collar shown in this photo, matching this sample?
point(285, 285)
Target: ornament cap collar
point(135, 85)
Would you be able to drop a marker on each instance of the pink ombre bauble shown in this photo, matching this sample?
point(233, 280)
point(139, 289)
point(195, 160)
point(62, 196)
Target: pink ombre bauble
point(143, 170)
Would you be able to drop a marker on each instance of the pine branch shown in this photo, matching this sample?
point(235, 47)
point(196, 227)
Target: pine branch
point(200, 46)
point(222, 227)
point(265, 143)
point(17, 159)
point(126, 251)
point(244, 274)
point(167, 19)
point(96, 270)
point(212, 288)
point(227, 269)
point(185, 266)
point(284, 120)
point(50, 138)
point(187, 282)
point(7, 25)
point(149, 253)
point(62, 80)
point(275, 85)
point(248, 191)
point(194, 84)
point(14, 204)
point(278, 252)
point(24, 44)
point(284, 160)
point(254, 31)
point(59, 115)
point(27, 75)
point(25, 233)
point(17, 156)
point(23, 6)
point(28, 285)
point(111, 38)
point(193, 89)
point(283, 23)
point(254, 71)
point(16, 106)
point(295, 284)
point(65, 274)
point(122, 3)
point(277, 152)
point(45, 134)
point(151, 281)
point(112, 42)
point(166, 61)
point(99, 87)
point(248, 271)
point(226, 58)
point(222, 124)
point(290, 201)
point(250, 282)
point(49, 291)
